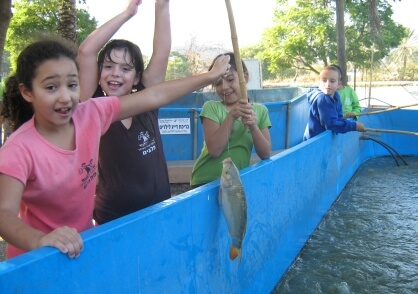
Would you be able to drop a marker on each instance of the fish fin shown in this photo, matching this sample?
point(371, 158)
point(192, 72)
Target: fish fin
point(235, 252)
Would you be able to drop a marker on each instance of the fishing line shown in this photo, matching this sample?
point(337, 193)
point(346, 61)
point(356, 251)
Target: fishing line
point(387, 109)
point(227, 131)
point(384, 102)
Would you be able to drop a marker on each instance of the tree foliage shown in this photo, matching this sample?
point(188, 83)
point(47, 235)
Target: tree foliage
point(304, 34)
point(256, 52)
point(405, 52)
point(178, 66)
point(33, 18)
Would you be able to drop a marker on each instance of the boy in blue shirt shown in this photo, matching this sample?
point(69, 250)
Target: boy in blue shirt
point(325, 111)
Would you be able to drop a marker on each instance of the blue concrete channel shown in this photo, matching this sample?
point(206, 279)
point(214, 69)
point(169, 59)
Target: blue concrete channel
point(181, 245)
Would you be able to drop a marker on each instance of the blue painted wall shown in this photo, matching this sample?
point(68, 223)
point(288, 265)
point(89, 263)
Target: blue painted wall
point(181, 245)
point(402, 120)
point(287, 109)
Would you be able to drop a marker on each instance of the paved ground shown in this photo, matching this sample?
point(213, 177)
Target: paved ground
point(2, 250)
point(179, 188)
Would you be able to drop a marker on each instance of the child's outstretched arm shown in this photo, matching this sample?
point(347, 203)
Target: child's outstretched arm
point(169, 91)
point(90, 47)
point(17, 233)
point(157, 67)
point(360, 127)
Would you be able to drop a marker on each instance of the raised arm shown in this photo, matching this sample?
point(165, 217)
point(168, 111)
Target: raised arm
point(90, 47)
point(157, 67)
point(169, 91)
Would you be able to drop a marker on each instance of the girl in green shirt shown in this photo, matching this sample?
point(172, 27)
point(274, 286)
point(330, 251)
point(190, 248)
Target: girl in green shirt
point(231, 128)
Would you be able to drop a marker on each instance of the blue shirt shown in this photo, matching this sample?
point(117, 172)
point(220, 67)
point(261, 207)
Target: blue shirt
point(325, 113)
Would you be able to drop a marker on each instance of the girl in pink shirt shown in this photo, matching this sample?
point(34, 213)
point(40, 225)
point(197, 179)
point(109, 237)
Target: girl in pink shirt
point(48, 166)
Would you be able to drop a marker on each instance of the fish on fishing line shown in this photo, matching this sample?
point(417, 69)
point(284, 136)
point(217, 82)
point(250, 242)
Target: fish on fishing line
point(234, 206)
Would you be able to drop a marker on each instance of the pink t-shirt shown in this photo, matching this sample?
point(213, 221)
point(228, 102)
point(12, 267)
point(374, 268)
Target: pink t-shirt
point(59, 184)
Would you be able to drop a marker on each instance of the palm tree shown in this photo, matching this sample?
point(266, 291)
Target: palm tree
point(405, 51)
point(67, 25)
point(5, 16)
point(341, 52)
point(375, 27)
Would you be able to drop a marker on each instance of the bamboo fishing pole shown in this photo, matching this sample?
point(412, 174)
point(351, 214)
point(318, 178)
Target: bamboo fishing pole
point(234, 38)
point(388, 109)
point(391, 131)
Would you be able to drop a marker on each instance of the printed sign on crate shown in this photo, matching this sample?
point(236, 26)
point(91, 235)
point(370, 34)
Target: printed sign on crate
point(174, 126)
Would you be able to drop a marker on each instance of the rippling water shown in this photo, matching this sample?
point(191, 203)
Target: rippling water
point(368, 241)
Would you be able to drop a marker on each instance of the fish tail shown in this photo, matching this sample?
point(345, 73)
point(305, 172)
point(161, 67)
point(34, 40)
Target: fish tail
point(235, 252)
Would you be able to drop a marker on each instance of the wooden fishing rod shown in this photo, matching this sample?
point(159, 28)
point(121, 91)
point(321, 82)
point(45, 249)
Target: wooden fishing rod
point(234, 38)
point(388, 109)
point(391, 131)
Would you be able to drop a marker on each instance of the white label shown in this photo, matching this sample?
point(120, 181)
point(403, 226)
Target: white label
point(173, 126)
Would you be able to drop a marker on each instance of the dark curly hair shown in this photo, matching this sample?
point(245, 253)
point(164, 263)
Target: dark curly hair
point(136, 61)
point(15, 110)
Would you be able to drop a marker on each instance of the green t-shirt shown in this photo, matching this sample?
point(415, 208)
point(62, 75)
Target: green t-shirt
point(349, 100)
point(208, 168)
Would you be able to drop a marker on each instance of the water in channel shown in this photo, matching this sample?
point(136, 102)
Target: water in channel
point(368, 241)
